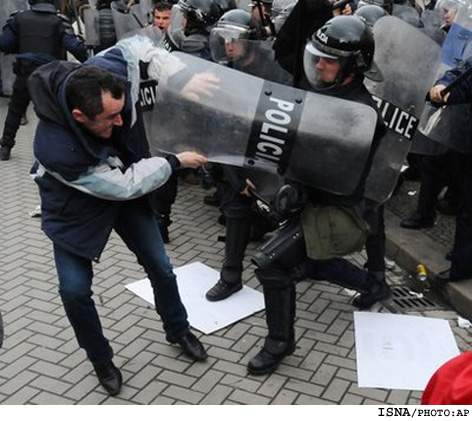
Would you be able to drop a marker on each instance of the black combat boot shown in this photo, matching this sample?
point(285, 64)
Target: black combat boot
point(5, 153)
point(279, 297)
point(237, 234)
point(376, 290)
point(6, 145)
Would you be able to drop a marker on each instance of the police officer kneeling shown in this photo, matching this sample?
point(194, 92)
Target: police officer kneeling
point(335, 59)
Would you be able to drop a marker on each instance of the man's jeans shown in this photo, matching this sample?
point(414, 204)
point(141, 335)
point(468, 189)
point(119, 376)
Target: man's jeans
point(138, 228)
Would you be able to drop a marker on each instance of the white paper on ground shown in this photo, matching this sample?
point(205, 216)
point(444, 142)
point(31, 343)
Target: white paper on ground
point(399, 351)
point(194, 280)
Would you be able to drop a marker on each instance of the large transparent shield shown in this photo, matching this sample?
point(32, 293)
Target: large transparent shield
point(432, 25)
point(450, 126)
point(408, 60)
point(92, 26)
point(7, 60)
point(238, 119)
point(406, 13)
point(127, 20)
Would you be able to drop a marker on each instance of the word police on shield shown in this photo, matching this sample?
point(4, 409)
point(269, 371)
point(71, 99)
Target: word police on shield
point(275, 126)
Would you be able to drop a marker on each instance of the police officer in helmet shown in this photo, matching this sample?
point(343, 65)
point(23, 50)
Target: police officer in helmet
point(335, 60)
point(38, 35)
point(191, 23)
point(235, 42)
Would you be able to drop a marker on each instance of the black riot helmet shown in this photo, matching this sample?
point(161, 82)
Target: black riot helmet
point(200, 13)
point(344, 38)
point(235, 26)
point(370, 13)
point(244, 21)
point(387, 5)
point(53, 2)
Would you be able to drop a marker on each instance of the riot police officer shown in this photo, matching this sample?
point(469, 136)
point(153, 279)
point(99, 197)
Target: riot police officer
point(190, 26)
point(38, 35)
point(334, 61)
point(237, 41)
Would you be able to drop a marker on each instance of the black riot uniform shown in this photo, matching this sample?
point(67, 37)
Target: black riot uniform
point(239, 27)
point(348, 41)
point(38, 35)
point(191, 22)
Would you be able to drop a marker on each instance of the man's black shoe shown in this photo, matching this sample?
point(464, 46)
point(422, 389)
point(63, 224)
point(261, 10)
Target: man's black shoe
point(446, 207)
point(5, 153)
point(380, 292)
point(212, 200)
point(417, 222)
point(222, 290)
point(192, 347)
point(265, 362)
point(109, 377)
point(444, 277)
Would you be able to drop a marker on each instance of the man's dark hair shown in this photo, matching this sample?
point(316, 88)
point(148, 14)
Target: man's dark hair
point(162, 5)
point(85, 87)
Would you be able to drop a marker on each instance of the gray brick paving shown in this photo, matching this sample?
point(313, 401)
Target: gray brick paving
point(40, 362)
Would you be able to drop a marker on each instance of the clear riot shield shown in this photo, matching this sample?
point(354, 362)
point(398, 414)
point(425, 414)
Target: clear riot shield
point(278, 6)
point(92, 26)
point(431, 25)
point(7, 60)
point(146, 7)
point(238, 119)
point(151, 32)
point(449, 126)
point(408, 61)
point(406, 13)
point(243, 4)
point(254, 57)
point(127, 20)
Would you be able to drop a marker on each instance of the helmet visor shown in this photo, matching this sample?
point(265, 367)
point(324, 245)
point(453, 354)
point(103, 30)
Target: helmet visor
point(228, 43)
point(321, 69)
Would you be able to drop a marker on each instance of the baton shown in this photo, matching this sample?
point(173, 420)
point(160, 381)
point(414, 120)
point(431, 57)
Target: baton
point(137, 20)
point(456, 82)
point(259, 196)
point(436, 117)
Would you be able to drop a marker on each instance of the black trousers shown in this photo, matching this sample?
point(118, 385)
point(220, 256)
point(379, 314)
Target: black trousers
point(461, 262)
point(436, 172)
point(19, 102)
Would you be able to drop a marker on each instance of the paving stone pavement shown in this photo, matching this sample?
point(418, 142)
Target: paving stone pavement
point(40, 362)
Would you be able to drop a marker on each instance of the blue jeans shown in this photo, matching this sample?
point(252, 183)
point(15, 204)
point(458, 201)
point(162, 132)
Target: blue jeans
point(137, 227)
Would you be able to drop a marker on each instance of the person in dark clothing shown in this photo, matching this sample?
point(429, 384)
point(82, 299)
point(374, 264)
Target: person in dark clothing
point(107, 33)
point(461, 256)
point(189, 30)
point(237, 42)
point(334, 62)
point(94, 174)
point(38, 35)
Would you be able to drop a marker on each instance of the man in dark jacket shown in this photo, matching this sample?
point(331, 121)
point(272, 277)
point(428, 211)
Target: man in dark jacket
point(93, 173)
point(38, 35)
point(461, 256)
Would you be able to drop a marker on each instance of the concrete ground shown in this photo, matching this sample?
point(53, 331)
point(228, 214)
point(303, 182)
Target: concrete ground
point(41, 363)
